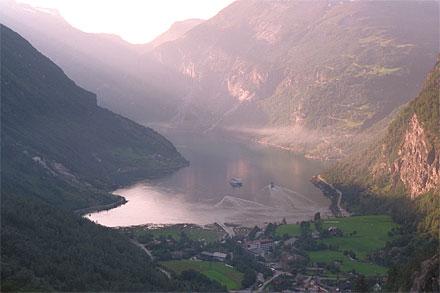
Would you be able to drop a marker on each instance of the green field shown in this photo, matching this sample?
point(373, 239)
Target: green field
point(193, 232)
point(288, 229)
point(347, 265)
point(225, 275)
point(371, 234)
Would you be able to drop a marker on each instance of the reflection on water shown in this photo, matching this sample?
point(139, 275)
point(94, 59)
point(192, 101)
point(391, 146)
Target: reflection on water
point(201, 193)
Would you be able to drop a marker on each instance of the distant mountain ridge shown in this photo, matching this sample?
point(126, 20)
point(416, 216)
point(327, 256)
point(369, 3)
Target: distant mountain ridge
point(123, 77)
point(176, 31)
point(327, 68)
point(313, 77)
point(406, 160)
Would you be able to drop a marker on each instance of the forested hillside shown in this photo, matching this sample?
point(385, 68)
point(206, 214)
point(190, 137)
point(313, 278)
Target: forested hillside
point(312, 76)
point(401, 175)
point(308, 75)
point(61, 152)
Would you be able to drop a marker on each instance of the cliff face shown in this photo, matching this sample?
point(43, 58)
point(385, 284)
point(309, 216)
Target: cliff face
point(407, 159)
point(404, 164)
point(418, 163)
point(410, 153)
point(335, 67)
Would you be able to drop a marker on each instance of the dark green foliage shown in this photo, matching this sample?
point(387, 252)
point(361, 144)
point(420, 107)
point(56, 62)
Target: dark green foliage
point(60, 152)
point(46, 248)
point(417, 239)
point(412, 251)
point(361, 285)
point(253, 232)
point(194, 281)
point(47, 114)
point(249, 278)
point(365, 191)
point(270, 230)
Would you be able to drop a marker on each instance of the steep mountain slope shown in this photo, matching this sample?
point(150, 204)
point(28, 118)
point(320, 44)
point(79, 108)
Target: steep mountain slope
point(407, 159)
point(124, 79)
point(61, 152)
point(314, 72)
point(401, 175)
point(176, 31)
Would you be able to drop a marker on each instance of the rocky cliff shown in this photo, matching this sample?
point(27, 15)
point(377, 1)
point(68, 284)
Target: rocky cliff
point(328, 68)
point(418, 164)
point(410, 154)
point(407, 158)
point(399, 175)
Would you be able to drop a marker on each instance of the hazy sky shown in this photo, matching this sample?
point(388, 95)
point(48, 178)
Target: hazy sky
point(137, 21)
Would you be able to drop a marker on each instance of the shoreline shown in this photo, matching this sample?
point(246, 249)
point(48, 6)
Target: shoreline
point(123, 200)
point(333, 193)
point(94, 209)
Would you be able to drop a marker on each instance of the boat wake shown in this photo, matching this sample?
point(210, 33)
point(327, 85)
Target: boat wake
point(232, 202)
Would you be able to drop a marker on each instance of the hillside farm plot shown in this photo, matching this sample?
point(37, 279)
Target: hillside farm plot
point(346, 264)
point(362, 234)
point(225, 275)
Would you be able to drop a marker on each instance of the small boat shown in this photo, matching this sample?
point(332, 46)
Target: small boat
point(236, 182)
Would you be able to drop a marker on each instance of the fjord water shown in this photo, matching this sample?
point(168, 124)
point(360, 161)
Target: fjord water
point(201, 193)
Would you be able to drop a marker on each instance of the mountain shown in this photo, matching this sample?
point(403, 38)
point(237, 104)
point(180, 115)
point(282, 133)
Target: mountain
point(123, 77)
point(176, 31)
point(400, 174)
point(406, 161)
point(307, 75)
point(315, 77)
point(60, 152)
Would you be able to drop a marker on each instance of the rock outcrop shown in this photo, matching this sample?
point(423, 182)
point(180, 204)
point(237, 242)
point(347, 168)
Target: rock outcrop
point(418, 162)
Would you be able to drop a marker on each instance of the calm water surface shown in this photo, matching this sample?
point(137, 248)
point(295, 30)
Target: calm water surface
point(201, 193)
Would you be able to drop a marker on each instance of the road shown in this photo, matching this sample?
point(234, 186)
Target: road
point(342, 211)
point(141, 246)
point(276, 275)
point(229, 230)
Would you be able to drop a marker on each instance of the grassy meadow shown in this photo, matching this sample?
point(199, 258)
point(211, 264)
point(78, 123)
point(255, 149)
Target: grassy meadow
point(225, 275)
point(362, 235)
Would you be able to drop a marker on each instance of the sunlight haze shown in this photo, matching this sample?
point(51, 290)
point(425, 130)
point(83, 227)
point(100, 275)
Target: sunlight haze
point(135, 21)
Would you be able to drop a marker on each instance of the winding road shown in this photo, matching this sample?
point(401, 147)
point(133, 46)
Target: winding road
point(276, 275)
point(342, 211)
point(141, 246)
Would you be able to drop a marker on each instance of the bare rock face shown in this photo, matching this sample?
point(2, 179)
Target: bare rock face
point(418, 162)
point(333, 67)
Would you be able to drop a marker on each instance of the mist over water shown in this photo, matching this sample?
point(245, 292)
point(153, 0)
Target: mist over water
point(201, 193)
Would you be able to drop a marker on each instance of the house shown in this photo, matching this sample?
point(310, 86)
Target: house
point(259, 247)
point(335, 231)
point(218, 256)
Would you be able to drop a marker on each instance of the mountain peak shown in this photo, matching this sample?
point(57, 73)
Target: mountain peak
point(177, 30)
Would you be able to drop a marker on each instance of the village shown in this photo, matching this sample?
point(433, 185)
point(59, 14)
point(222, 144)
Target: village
point(311, 256)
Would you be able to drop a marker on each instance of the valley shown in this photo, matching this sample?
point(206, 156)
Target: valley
point(268, 146)
point(201, 193)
